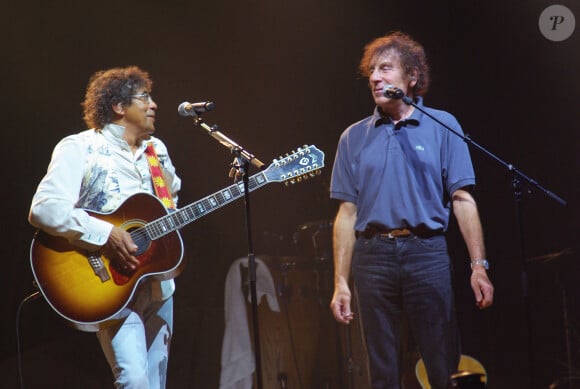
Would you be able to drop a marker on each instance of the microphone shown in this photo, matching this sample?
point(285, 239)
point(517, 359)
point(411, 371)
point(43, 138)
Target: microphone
point(393, 92)
point(193, 109)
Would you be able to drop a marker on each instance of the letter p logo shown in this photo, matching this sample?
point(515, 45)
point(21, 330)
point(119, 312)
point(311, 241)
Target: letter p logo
point(557, 23)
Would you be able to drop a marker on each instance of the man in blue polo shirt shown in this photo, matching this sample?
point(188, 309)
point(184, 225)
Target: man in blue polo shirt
point(398, 174)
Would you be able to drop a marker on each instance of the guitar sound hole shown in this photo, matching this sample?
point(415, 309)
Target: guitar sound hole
point(142, 242)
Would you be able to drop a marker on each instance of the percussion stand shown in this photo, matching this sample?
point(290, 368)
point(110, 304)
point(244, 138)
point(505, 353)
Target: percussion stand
point(240, 168)
point(558, 270)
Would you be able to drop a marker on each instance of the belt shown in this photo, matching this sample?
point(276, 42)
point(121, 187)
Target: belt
point(393, 233)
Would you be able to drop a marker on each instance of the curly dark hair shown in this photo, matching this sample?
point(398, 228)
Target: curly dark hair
point(410, 53)
point(107, 88)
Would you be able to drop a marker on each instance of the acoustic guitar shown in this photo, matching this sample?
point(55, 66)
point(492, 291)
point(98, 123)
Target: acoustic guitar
point(90, 292)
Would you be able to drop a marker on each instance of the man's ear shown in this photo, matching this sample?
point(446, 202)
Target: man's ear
point(413, 78)
point(119, 108)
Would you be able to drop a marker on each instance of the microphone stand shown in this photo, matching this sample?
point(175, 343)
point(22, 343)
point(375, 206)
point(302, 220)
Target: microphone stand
point(243, 160)
point(518, 175)
point(518, 181)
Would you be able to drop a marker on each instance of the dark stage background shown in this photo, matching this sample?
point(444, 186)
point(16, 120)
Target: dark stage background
point(283, 74)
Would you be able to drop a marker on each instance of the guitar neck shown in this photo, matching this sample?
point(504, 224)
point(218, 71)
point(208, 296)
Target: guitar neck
point(301, 164)
point(188, 214)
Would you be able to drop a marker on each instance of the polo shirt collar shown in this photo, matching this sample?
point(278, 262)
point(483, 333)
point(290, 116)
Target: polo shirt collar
point(414, 119)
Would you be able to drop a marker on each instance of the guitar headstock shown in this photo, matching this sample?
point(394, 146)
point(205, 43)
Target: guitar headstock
point(300, 165)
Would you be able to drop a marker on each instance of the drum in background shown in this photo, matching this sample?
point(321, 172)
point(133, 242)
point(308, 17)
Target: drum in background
point(314, 239)
point(313, 242)
point(299, 344)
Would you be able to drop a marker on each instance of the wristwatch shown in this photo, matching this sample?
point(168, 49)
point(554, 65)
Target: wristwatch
point(482, 262)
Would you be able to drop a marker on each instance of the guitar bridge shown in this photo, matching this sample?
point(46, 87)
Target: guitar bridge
point(98, 267)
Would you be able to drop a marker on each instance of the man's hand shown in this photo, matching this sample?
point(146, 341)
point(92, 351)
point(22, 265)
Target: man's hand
point(120, 249)
point(340, 305)
point(482, 287)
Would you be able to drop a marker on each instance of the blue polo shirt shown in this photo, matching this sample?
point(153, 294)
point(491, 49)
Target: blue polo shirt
point(401, 175)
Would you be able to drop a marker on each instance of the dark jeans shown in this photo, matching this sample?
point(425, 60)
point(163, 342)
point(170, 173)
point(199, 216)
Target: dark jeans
point(411, 276)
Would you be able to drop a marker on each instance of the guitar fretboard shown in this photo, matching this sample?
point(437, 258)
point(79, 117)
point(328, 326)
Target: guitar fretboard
point(180, 218)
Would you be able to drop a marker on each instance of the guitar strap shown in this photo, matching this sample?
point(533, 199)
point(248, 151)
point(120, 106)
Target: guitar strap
point(157, 177)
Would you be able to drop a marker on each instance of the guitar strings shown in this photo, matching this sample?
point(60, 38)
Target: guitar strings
point(171, 222)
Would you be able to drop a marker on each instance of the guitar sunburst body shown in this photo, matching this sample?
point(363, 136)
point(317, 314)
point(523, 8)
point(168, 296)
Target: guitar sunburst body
point(91, 296)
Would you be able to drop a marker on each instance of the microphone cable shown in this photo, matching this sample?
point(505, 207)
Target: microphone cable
point(30, 297)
